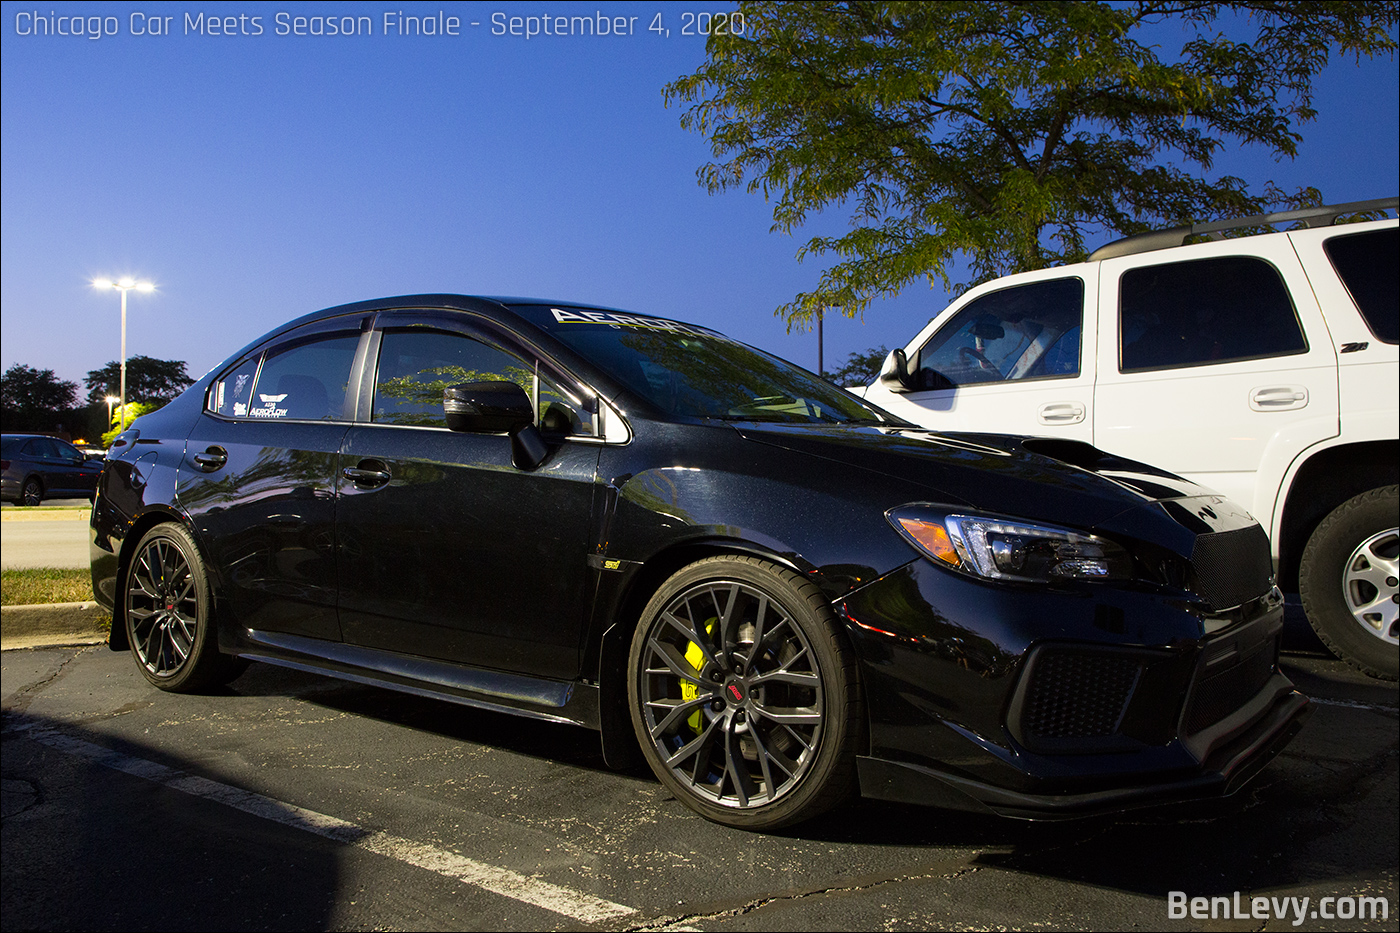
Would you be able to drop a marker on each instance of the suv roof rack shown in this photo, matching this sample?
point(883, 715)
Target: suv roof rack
point(1321, 216)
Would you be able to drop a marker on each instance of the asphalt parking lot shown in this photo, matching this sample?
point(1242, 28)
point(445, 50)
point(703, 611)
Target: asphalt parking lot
point(291, 801)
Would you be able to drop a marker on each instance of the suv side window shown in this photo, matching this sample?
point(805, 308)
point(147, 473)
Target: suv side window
point(1203, 312)
point(1025, 332)
point(417, 364)
point(1365, 262)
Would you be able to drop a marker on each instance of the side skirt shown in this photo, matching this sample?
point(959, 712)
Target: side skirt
point(518, 694)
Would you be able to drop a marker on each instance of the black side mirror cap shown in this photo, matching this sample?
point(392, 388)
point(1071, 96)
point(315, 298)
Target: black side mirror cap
point(487, 407)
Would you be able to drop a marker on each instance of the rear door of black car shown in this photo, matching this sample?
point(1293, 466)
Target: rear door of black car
point(448, 550)
point(259, 475)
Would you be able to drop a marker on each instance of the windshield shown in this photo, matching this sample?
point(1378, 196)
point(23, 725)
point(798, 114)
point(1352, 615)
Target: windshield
point(690, 371)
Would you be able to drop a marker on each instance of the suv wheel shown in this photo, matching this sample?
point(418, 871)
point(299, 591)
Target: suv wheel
point(33, 493)
point(1348, 582)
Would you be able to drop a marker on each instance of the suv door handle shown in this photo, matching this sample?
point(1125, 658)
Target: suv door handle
point(1060, 413)
point(1278, 398)
point(369, 474)
point(212, 459)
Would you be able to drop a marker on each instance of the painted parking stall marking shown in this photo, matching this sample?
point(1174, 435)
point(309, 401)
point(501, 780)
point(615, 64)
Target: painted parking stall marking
point(567, 902)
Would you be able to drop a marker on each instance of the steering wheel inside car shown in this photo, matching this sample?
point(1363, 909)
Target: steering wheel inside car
point(974, 354)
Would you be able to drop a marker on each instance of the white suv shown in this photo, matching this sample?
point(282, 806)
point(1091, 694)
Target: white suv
point(1264, 367)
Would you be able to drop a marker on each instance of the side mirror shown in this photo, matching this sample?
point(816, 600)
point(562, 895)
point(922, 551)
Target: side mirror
point(894, 374)
point(487, 407)
point(493, 408)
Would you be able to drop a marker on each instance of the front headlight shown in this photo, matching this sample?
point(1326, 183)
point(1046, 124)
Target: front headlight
point(1008, 549)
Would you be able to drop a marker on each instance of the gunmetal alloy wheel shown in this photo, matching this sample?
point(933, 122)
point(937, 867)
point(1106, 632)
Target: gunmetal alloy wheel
point(167, 612)
point(743, 694)
point(1348, 582)
point(33, 493)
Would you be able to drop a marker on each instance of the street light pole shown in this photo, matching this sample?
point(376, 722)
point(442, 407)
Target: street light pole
point(123, 285)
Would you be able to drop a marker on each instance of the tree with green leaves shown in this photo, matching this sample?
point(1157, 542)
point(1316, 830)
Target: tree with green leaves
point(148, 380)
point(860, 367)
point(35, 399)
point(1005, 132)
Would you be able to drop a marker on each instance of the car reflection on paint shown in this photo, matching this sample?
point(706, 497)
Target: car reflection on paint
point(774, 593)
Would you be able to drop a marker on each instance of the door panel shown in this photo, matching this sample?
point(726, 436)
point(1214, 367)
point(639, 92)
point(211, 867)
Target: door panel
point(1216, 356)
point(446, 549)
point(1017, 360)
point(267, 517)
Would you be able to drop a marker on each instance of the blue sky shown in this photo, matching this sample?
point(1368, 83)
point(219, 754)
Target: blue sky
point(256, 178)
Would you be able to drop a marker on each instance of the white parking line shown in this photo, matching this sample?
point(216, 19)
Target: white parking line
point(560, 900)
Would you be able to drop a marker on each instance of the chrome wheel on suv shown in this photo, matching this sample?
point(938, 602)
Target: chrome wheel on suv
point(1348, 581)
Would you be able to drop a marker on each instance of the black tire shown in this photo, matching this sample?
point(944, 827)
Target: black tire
point(1348, 582)
point(33, 492)
point(169, 623)
point(726, 648)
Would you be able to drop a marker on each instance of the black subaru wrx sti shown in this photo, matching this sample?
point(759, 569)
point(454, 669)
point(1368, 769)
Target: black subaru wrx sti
point(781, 593)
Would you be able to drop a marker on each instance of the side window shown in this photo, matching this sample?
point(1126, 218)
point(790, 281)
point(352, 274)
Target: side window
point(39, 448)
point(417, 364)
point(229, 396)
point(1205, 311)
point(1365, 262)
point(305, 381)
point(1024, 332)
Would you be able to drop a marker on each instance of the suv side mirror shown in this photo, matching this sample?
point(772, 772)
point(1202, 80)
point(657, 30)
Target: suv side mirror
point(487, 407)
point(894, 374)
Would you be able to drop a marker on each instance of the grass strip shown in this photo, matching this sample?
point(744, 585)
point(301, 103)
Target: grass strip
point(45, 585)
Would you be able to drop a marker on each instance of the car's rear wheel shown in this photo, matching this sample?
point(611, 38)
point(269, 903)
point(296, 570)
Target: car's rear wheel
point(744, 694)
point(32, 494)
point(1348, 582)
point(168, 614)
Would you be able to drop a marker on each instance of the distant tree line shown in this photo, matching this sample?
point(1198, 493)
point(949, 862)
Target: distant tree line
point(37, 400)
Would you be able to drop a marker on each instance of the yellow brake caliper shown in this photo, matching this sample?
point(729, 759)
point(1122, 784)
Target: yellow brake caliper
point(695, 657)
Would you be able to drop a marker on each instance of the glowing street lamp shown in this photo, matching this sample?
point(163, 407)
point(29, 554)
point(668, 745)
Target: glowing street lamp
point(110, 400)
point(122, 285)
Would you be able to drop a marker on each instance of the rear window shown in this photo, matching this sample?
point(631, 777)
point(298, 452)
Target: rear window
point(1203, 312)
point(1366, 264)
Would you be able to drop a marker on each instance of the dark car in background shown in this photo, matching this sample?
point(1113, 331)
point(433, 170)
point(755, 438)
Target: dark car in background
point(37, 467)
point(782, 594)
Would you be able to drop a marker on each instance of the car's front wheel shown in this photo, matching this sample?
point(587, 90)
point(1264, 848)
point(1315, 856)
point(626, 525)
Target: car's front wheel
point(168, 614)
point(744, 694)
point(1348, 582)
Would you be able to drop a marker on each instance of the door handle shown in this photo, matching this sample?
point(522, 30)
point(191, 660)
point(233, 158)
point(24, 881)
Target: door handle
point(369, 474)
point(1060, 413)
point(1278, 398)
point(212, 459)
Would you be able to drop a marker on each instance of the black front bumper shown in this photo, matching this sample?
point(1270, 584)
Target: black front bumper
point(1048, 705)
point(1227, 771)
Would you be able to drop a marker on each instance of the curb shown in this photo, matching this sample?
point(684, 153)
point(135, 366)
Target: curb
point(53, 624)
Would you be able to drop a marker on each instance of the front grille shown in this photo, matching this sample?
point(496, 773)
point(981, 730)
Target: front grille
point(1232, 567)
point(1220, 694)
point(1078, 695)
